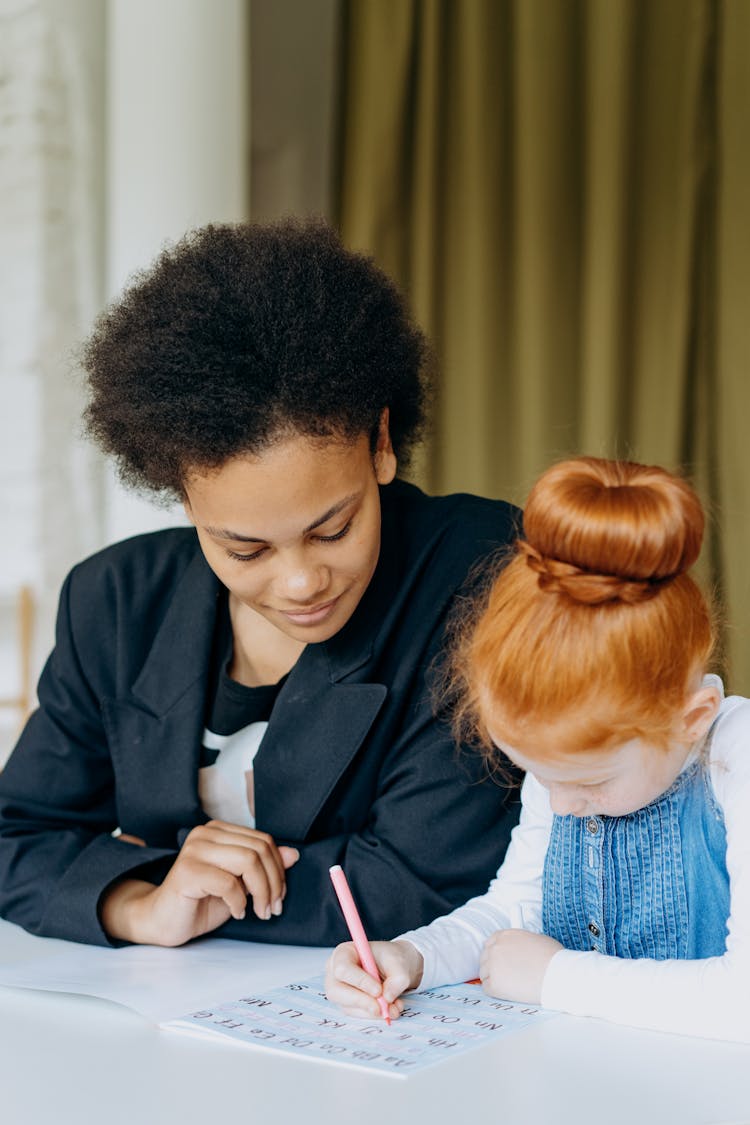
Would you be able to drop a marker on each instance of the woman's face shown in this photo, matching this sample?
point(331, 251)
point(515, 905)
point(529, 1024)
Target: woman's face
point(294, 533)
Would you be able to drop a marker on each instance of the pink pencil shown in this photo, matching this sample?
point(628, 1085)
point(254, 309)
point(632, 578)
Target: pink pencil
point(357, 930)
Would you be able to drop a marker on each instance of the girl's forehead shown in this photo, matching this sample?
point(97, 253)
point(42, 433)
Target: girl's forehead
point(586, 767)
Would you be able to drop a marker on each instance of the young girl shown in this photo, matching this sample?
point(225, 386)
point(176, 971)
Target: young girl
point(625, 892)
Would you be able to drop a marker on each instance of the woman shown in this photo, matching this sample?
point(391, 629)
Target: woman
point(234, 707)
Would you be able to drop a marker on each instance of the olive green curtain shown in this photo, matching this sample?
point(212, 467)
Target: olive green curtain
point(561, 187)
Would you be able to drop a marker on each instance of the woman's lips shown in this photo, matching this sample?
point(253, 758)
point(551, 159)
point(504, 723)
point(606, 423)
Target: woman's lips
point(312, 616)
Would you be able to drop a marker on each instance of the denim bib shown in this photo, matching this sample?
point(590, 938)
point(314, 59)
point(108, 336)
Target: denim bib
point(653, 883)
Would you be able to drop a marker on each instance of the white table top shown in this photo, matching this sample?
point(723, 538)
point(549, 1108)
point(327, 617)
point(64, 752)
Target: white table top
point(66, 1059)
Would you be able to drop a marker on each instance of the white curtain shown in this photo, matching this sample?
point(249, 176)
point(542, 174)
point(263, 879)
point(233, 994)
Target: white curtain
point(50, 287)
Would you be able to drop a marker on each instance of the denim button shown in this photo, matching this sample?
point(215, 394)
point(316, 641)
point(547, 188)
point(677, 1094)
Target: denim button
point(592, 825)
point(594, 929)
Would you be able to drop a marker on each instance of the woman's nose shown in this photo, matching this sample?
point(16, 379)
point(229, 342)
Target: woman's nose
point(299, 582)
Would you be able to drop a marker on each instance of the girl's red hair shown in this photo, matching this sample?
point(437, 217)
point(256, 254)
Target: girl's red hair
point(593, 630)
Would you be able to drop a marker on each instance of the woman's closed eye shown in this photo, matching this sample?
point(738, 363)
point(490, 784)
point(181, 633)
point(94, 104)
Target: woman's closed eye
point(318, 538)
point(338, 535)
point(246, 558)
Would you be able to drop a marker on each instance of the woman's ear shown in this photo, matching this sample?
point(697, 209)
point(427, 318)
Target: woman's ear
point(384, 459)
point(701, 708)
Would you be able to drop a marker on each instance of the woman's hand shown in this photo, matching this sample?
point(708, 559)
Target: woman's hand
point(219, 866)
point(354, 990)
point(513, 964)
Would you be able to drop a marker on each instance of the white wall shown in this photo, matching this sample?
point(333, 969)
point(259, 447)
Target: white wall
point(51, 186)
point(177, 151)
point(124, 123)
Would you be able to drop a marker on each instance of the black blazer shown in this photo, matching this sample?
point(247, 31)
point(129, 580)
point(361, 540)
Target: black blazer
point(353, 769)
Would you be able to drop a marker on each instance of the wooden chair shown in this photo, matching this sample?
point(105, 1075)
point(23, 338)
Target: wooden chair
point(21, 703)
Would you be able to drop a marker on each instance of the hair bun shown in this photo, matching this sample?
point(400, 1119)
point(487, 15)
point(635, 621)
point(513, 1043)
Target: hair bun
point(586, 587)
point(602, 530)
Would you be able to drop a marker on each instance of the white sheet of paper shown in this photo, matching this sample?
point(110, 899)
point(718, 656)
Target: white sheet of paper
point(159, 983)
point(297, 1018)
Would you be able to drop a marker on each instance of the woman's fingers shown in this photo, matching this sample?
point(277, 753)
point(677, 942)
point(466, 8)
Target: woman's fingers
point(249, 855)
point(289, 856)
point(213, 882)
point(218, 866)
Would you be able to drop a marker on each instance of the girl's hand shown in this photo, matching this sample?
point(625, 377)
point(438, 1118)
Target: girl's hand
point(218, 867)
point(354, 990)
point(513, 964)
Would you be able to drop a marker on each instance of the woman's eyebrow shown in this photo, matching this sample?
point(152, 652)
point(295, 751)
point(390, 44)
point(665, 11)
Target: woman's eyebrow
point(332, 511)
point(235, 536)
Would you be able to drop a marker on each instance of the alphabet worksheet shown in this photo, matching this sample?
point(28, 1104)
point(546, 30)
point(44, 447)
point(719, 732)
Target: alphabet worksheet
point(297, 1018)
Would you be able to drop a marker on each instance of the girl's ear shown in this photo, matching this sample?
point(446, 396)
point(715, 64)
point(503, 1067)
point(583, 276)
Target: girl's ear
point(700, 711)
point(384, 458)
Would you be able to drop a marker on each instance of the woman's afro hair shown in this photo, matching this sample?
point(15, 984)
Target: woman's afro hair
point(241, 334)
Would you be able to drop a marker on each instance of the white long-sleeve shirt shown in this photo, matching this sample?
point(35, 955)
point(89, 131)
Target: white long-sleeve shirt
point(708, 998)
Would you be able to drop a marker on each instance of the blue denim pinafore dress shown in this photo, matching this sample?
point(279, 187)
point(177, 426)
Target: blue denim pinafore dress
point(653, 883)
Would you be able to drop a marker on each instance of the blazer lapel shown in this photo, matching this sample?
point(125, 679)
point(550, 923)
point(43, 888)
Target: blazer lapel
point(316, 729)
point(181, 652)
point(156, 734)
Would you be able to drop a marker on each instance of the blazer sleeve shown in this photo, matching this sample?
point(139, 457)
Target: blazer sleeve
point(58, 807)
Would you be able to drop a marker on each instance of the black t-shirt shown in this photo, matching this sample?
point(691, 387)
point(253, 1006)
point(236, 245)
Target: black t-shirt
point(236, 720)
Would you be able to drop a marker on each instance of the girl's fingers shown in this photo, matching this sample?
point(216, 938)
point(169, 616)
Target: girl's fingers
point(353, 1001)
point(374, 1014)
point(356, 1003)
point(353, 989)
point(346, 969)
